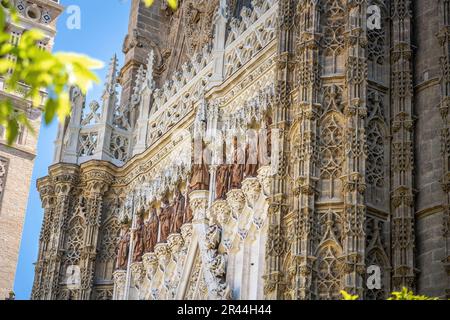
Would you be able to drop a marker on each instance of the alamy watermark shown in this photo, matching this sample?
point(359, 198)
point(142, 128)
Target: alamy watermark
point(73, 21)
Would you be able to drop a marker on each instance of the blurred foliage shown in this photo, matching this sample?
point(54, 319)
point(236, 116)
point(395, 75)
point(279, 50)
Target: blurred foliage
point(172, 3)
point(41, 77)
point(405, 294)
point(348, 296)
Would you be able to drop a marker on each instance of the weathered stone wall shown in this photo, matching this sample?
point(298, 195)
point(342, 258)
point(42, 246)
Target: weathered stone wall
point(14, 205)
point(430, 167)
point(12, 215)
point(147, 29)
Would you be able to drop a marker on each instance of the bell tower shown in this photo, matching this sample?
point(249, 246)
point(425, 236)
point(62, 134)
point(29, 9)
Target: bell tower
point(16, 161)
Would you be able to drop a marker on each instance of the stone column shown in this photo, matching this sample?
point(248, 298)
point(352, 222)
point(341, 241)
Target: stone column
point(209, 237)
point(97, 184)
point(64, 178)
point(402, 200)
point(444, 41)
point(353, 180)
point(46, 191)
point(306, 169)
point(276, 246)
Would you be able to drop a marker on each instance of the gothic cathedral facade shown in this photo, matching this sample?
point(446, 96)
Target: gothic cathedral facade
point(358, 170)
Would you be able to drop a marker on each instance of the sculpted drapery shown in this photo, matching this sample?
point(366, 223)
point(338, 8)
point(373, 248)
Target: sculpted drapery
point(151, 231)
point(123, 248)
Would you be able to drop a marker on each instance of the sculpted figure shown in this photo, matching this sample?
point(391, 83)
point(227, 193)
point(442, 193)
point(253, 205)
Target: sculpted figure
point(165, 219)
point(138, 238)
point(265, 143)
point(123, 248)
point(200, 176)
point(178, 211)
point(188, 215)
point(237, 168)
point(151, 231)
point(251, 158)
point(222, 181)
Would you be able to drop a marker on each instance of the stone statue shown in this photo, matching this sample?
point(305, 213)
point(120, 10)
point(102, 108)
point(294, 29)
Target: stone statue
point(151, 231)
point(123, 248)
point(165, 220)
point(222, 181)
point(188, 215)
point(251, 161)
point(178, 211)
point(138, 239)
point(237, 169)
point(200, 176)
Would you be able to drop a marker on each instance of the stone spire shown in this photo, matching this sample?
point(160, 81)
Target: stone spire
point(111, 78)
point(143, 92)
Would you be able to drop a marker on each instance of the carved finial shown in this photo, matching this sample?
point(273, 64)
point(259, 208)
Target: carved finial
point(111, 78)
point(139, 84)
point(223, 7)
point(149, 80)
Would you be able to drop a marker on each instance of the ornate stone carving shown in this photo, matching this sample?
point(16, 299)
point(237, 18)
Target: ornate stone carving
point(174, 243)
point(220, 212)
point(150, 261)
point(252, 190)
point(119, 284)
point(236, 201)
point(264, 178)
point(137, 273)
point(163, 254)
point(199, 203)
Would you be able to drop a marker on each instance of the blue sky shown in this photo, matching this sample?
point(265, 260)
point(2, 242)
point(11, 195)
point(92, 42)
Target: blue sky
point(104, 25)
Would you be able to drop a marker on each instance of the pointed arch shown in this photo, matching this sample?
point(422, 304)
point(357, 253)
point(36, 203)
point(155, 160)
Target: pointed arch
point(333, 22)
point(328, 265)
point(109, 236)
point(331, 154)
point(377, 163)
point(328, 270)
point(74, 240)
